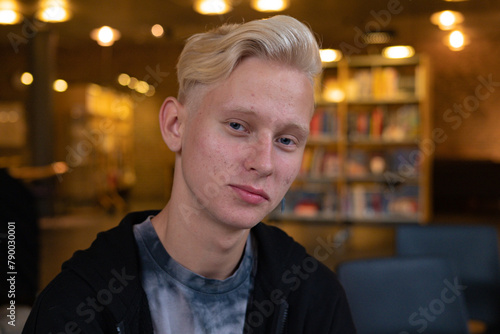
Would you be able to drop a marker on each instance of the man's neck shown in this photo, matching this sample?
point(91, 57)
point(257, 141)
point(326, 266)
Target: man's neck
point(204, 247)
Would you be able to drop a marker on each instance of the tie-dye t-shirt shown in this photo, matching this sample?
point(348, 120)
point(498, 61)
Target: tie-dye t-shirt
point(184, 302)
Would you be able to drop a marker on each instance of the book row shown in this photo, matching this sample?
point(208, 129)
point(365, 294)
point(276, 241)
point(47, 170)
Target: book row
point(320, 162)
point(360, 201)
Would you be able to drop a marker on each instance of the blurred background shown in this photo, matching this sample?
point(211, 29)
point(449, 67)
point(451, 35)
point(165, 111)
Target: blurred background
point(81, 83)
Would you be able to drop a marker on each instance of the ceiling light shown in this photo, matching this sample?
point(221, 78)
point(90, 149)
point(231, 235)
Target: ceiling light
point(398, 51)
point(269, 5)
point(105, 36)
point(9, 16)
point(60, 85)
point(133, 82)
point(157, 30)
point(124, 79)
point(26, 78)
point(330, 55)
point(212, 7)
point(456, 40)
point(378, 37)
point(142, 87)
point(151, 91)
point(9, 13)
point(447, 19)
point(53, 11)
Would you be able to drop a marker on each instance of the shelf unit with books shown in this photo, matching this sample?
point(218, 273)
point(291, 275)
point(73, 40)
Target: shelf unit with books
point(365, 161)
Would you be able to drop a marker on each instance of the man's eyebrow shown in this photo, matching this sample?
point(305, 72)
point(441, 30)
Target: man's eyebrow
point(302, 129)
point(238, 109)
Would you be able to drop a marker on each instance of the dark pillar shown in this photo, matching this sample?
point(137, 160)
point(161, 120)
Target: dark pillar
point(40, 113)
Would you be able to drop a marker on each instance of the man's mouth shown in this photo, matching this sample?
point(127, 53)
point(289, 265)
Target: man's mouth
point(250, 194)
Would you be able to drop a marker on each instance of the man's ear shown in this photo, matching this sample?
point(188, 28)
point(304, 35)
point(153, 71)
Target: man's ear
point(172, 116)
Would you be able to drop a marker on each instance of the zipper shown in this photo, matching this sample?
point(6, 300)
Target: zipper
point(282, 318)
point(120, 328)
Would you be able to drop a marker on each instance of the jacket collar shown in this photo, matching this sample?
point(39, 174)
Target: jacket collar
point(120, 267)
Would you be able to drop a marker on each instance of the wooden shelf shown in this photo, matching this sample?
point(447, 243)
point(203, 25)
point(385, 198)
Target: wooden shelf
point(340, 219)
point(366, 163)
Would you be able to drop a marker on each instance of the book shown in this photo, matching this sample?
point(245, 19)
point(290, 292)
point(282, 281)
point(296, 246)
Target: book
point(324, 123)
point(376, 201)
point(318, 162)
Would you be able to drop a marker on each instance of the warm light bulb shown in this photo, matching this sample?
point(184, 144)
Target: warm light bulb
point(8, 12)
point(398, 51)
point(142, 87)
point(151, 91)
point(26, 78)
point(456, 40)
point(53, 11)
point(133, 82)
point(330, 55)
point(157, 31)
point(105, 36)
point(124, 79)
point(60, 85)
point(269, 5)
point(9, 16)
point(447, 19)
point(212, 7)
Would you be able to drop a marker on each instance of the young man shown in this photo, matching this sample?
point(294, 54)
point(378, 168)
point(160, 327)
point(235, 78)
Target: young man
point(204, 264)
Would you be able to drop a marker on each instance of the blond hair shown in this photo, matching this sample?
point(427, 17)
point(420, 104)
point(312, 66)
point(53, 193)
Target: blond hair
point(212, 56)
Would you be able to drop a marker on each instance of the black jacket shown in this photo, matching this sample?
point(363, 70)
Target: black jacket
point(99, 289)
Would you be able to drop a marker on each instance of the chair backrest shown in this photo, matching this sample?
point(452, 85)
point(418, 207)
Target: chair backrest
point(404, 295)
point(473, 250)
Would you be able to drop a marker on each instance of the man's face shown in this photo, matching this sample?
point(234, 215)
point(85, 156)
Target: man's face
point(242, 148)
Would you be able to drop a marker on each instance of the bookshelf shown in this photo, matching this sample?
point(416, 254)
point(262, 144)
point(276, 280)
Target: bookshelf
point(365, 160)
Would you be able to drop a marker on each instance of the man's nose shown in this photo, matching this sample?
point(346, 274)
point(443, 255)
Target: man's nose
point(260, 157)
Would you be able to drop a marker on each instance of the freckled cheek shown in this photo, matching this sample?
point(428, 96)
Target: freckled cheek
point(199, 150)
point(206, 144)
point(289, 171)
point(216, 156)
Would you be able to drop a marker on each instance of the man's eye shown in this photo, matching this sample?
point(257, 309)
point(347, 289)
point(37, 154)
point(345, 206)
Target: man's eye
point(236, 126)
point(286, 141)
